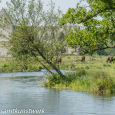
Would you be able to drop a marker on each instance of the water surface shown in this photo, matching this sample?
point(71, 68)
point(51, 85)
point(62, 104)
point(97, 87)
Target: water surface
point(23, 91)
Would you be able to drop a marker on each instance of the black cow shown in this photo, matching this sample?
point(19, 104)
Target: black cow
point(109, 59)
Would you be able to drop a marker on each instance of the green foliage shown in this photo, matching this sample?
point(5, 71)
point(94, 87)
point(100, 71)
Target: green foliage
point(98, 34)
point(86, 67)
point(12, 65)
point(4, 66)
point(55, 79)
point(72, 52)
point(103, 83)
point(70, 76)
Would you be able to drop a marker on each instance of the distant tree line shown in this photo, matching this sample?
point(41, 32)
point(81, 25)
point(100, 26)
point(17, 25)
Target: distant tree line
point(110, 51)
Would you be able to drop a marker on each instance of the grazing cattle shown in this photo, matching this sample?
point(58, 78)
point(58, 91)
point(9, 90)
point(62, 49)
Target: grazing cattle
point(82, 58)
point(109, 59)
point(59, 60)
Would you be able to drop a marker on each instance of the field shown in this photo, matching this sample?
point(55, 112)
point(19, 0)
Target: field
point(91, 63)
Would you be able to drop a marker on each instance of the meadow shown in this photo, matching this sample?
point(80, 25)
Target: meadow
point(91, 63)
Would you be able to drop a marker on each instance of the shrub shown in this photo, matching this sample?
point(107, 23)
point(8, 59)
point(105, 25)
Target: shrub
point(80, 72)
point(55, 79)
point(102, 82)
point(86, 67)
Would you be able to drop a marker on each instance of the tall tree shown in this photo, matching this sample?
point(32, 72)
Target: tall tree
point(97, 33)
point(36, 32)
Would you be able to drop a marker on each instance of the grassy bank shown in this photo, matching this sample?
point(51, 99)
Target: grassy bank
point(96, 81)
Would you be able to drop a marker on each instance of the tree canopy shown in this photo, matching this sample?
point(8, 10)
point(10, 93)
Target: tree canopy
point(98, 34)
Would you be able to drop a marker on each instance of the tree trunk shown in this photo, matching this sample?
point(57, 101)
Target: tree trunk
point(50, 63)
point(57, 70)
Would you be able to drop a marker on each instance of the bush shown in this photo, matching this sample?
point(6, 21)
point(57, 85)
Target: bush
point(86, 67)
point(102, 82)
point(70, 76)
point(80, 72)
point(52, 80)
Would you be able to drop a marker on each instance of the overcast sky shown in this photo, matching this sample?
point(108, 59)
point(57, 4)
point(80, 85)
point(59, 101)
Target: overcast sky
point(63, 4)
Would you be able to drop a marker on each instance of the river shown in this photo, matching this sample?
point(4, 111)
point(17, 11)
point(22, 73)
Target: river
point(22, 93)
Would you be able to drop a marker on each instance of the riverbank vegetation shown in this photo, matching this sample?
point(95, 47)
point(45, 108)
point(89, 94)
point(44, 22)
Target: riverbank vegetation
point(96, 81)
point(92, 76)
point(12, 65)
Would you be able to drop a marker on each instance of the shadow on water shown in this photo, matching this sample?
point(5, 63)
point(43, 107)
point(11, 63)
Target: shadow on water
point(22, 91)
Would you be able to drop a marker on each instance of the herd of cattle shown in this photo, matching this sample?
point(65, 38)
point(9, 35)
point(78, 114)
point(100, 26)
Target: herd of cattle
point(109, 59)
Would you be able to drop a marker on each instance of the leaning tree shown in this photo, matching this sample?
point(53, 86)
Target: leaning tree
point(36, 32)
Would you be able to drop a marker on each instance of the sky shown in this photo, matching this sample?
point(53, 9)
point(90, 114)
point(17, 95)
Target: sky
point(63, 4)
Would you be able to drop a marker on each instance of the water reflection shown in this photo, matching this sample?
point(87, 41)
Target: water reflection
point(26, 93)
